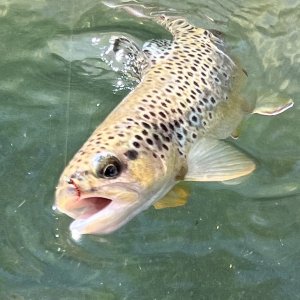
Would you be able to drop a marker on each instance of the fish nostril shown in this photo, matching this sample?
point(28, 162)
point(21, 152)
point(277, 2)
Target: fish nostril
point(78, 175)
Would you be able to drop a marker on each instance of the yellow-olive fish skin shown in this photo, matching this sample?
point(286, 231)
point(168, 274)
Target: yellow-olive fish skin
point(169, 128)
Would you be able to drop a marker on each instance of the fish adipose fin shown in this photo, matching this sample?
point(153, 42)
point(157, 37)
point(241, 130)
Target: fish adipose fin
point(178, 196)
point(273, 107)
point(215, 160)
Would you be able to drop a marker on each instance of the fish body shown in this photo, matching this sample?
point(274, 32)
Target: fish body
point(170, 128)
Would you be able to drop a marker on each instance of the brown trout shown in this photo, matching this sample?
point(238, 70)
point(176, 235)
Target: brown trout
point(170, 128)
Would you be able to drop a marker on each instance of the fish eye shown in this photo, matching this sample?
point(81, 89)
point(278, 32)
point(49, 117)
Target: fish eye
point(110, 171)
point(107, 166)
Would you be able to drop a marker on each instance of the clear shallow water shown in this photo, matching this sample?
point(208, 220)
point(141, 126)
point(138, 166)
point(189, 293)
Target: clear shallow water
point(228, 242)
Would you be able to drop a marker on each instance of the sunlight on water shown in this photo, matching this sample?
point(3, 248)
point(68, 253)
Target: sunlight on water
point(237, 241)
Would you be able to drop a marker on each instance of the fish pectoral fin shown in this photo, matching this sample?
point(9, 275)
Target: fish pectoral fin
point(215, 160)
point(273, 106)
point(176, 197)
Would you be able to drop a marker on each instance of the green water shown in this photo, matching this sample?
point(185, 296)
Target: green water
point(229, 242)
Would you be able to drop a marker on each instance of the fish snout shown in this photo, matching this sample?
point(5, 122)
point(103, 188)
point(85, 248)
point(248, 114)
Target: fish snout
point(67, 197)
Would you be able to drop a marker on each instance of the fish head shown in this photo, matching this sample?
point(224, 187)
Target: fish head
point(103, 190)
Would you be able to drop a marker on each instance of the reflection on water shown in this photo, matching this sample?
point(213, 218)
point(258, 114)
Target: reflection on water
point(229, 242)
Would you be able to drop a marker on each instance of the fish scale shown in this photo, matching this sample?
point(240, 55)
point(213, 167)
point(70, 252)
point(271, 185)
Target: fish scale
point(169, 128)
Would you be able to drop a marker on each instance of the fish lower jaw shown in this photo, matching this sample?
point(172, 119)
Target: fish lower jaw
point(102, 221)
point(109, 215)
point(100, 215)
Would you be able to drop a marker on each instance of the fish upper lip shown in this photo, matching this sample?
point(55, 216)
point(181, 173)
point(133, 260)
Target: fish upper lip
point(76, 199)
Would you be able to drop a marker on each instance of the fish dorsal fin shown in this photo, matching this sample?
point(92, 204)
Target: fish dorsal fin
point(125, 56)
point(272, 106)
point(176, 197)
point(215, 160)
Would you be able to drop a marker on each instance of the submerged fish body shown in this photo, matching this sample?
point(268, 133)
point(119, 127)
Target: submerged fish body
point(169, 128)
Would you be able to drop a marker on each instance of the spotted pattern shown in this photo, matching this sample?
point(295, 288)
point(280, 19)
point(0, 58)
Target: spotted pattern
point(182, 83)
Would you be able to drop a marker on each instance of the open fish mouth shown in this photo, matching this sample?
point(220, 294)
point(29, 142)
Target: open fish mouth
point(92, 205)
point(100, 216)
point(95, 215)
point(98, 213)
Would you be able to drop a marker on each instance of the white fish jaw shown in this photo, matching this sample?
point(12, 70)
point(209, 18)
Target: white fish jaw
point(108, 209)
point(106, 220)
point(101, 212)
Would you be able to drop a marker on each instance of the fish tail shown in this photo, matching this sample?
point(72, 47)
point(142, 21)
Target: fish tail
point(176, 25)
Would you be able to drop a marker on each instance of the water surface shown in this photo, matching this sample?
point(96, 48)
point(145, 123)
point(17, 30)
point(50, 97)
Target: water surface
point(229, 242)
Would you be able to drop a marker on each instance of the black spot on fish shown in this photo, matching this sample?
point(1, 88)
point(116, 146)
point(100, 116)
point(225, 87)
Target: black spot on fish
point(179, 111)
point(138, 137)
point(136, 144)
point(167, 139)
point(155, 126)
point(131, 154)
point(163, 127)
point(180, 152)
point(171, 126)
point(165, 147)
point(156, 137)
point(146, 125)
point(176, 123)
point(179, 136)
point(149, 141)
